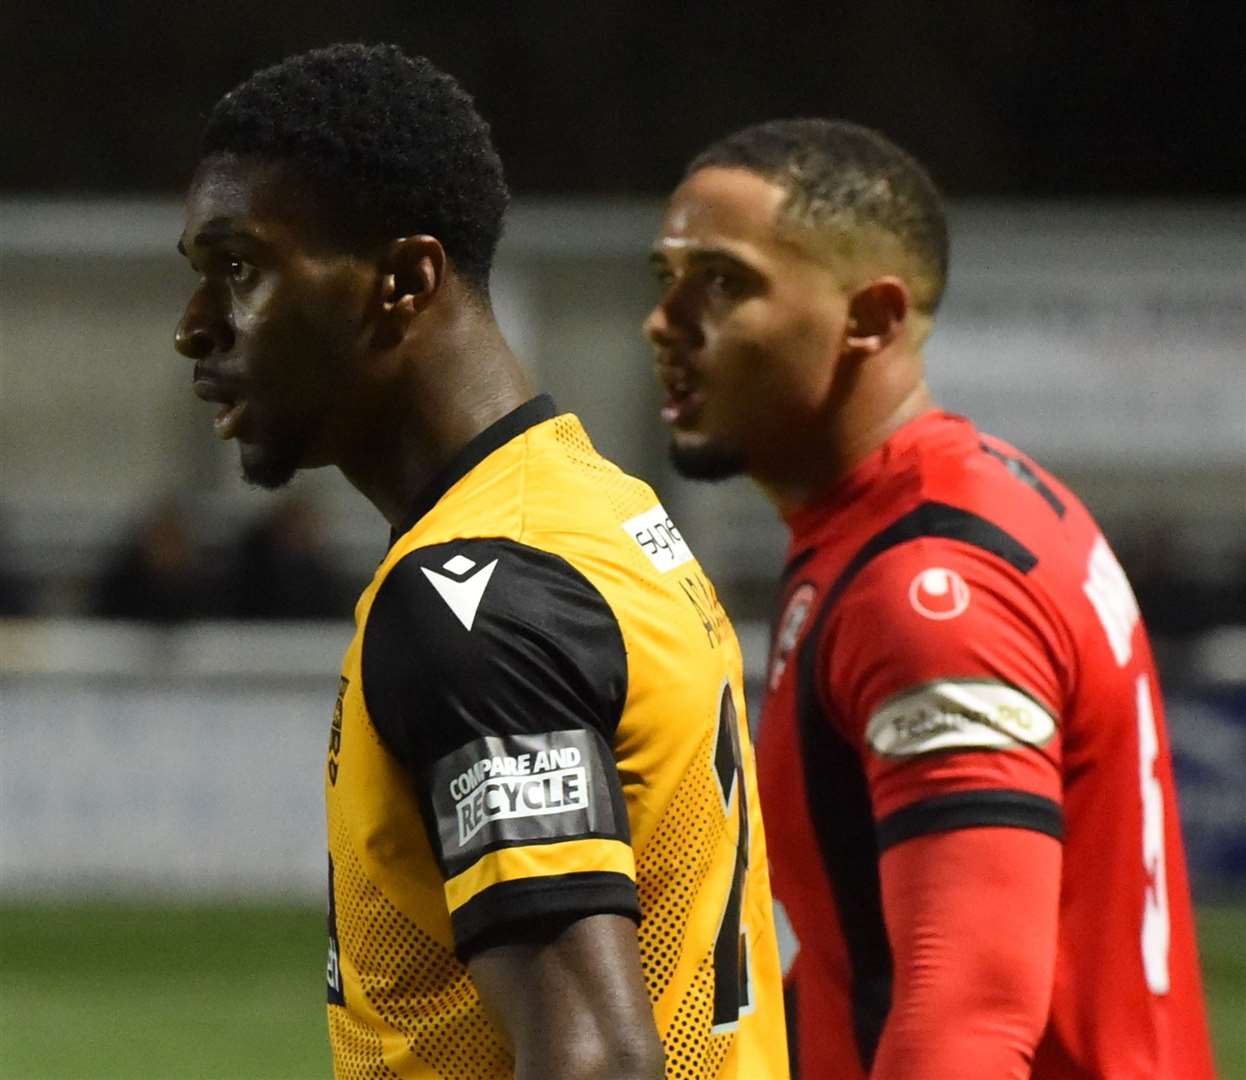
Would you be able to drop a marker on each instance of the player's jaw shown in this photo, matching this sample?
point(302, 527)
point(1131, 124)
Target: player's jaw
point(270, 460)
point(274, 436)
point(697, 450)
point(706, 459)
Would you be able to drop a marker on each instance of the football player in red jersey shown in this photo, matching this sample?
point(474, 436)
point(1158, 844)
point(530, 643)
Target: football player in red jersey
point(963, 759)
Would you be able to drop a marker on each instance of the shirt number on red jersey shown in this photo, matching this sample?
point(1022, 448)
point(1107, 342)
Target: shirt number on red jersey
point(1155, 931)
point(732, 993)
point(1107, 588)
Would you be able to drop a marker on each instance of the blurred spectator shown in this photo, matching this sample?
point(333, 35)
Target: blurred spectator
point(1180, 601)
point(280, 571)
point(1174, 603)
point(155, 576)
point(15, 594)
point(1230, 606)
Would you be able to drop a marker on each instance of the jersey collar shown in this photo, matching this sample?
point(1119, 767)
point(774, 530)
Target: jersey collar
point(532, 412)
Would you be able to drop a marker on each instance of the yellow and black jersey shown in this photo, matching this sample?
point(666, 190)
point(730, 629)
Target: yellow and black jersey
point(541, 714)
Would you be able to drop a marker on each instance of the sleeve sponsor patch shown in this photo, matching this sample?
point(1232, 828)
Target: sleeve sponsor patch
point(952, 715)
point(658, 538)
point(500, 791)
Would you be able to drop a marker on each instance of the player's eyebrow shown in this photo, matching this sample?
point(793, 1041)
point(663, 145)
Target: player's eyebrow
point(219, 231)
point(697, 256)
point(711, 254)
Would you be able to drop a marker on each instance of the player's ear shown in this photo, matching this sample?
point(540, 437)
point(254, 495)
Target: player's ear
point(413, 271)
point(876, 315)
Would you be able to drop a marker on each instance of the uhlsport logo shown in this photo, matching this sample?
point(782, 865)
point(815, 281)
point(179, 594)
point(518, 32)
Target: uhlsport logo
point(791, 623)
point(939, 593)
point(552, 781)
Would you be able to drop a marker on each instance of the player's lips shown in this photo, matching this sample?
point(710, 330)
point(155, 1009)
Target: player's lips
point(682, 410)
point(683, 399)
point(228, 421)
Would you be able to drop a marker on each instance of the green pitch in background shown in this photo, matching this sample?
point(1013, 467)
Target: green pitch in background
point(128, 992)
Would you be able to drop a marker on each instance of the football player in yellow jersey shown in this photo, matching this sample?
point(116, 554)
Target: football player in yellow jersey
point(545, 854)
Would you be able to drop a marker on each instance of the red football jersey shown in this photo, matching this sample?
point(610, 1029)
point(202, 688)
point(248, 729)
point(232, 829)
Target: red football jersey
point(957, 648)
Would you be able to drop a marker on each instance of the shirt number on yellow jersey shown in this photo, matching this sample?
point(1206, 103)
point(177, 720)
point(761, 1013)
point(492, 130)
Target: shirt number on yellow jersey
point(732, 994)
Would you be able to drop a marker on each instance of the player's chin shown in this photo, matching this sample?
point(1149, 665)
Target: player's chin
point(269, 466)
point(699, 458)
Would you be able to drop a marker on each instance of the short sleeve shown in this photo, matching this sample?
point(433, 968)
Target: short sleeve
point(946, 671)
point(496, 673)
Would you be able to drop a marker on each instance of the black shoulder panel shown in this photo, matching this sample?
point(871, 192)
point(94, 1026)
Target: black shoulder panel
point(488, 637)
point(940, 521)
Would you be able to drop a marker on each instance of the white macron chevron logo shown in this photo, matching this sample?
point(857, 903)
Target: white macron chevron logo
point(461, 594)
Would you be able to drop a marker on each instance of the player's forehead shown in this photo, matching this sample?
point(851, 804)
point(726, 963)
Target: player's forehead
point(239, 196)
point(732, 210)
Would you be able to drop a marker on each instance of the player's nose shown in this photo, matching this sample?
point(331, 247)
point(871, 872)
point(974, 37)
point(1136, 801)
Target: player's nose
point(668, 326)
point(655, 326)
point(201, 330)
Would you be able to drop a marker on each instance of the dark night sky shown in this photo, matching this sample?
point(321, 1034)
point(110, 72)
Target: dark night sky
point(999, 98)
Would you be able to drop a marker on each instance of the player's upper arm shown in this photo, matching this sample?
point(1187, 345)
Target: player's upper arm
point(497, 674)
point(947, 670)
point(571, 1001)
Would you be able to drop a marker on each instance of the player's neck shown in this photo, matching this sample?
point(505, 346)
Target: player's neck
point(813, 469)
point(441, 400)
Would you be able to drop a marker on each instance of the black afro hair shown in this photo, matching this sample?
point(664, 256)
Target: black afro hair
point(395, 146)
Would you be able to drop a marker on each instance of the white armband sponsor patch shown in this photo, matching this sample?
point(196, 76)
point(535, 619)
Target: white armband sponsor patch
point(954, 715)
point(658, 538)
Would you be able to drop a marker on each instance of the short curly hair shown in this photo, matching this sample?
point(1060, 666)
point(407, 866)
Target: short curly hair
point(392, 144)
point(841, 177)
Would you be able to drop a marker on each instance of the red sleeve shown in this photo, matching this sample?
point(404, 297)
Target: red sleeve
point(946, 670)
point(972, 918)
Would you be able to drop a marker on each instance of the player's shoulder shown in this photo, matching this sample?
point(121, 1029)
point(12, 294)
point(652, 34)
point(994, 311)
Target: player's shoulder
point(470, 626)
point(610, 524)
point(960, 465)
point(950, 573)
point(959, 544)
point(947, 594)
point(573, 490)
point(958, 519)
point(484, 585)
point(944, 527)
point(943, 572)
point(974, 487)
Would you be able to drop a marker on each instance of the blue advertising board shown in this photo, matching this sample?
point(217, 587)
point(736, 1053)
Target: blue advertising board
point(1207, 729)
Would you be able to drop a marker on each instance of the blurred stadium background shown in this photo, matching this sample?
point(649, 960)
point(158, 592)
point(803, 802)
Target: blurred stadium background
point(169, 640)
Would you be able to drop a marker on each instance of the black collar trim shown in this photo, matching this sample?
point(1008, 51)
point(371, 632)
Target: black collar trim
point(532, 412)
